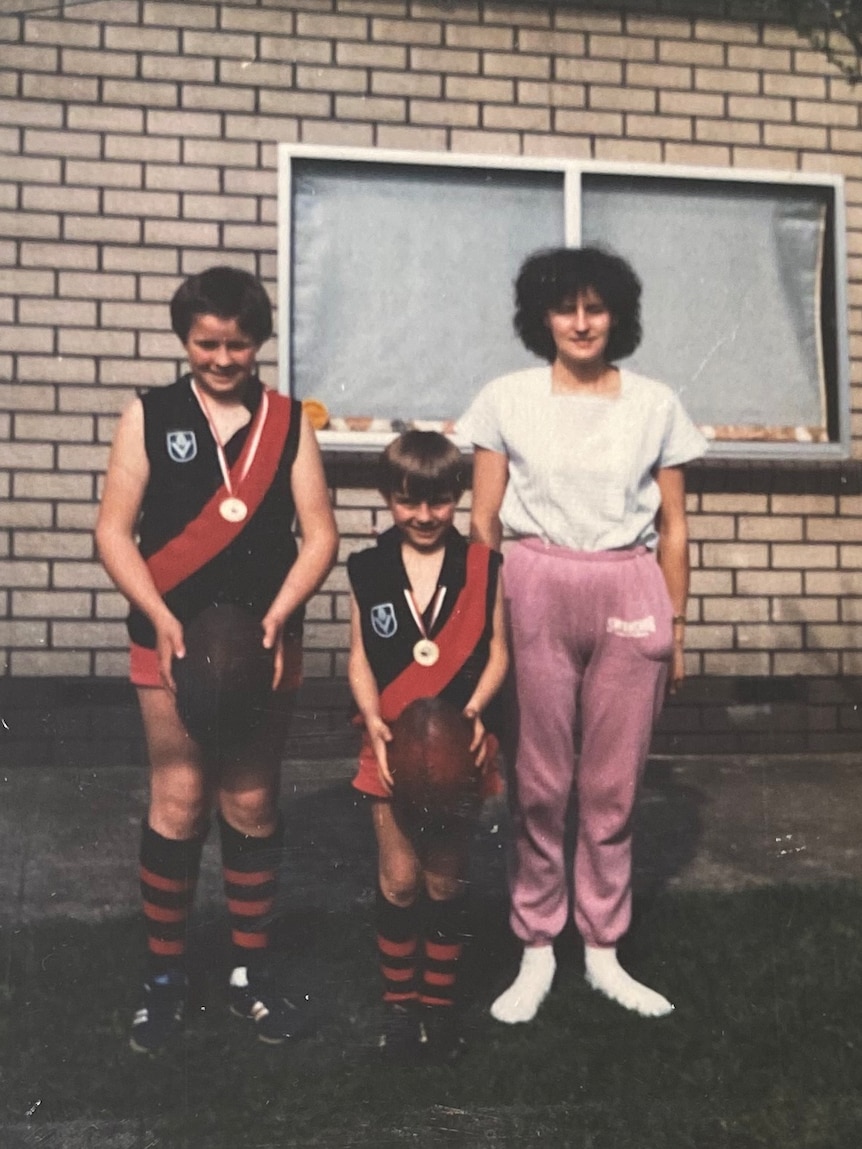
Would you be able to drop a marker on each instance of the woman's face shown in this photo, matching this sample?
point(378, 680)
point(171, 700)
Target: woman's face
point(580, 328)
point(222, 357)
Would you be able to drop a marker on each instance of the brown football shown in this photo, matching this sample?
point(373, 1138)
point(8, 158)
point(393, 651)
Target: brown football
point(433, 769)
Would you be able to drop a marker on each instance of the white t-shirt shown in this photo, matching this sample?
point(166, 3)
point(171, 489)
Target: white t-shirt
point(581, 467)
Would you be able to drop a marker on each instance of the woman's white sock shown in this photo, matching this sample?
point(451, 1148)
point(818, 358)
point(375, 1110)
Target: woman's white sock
point(604, 973)
point(529, 989)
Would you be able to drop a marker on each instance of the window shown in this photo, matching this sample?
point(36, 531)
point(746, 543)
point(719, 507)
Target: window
point(396, 275)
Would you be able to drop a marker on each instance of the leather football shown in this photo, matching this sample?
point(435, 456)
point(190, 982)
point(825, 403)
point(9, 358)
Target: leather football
point(433, 769)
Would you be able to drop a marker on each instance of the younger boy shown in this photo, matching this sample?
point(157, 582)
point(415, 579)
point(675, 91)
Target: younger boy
point(426, 621)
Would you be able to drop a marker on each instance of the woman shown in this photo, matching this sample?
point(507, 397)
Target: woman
point(203, 482)
point(582, 462)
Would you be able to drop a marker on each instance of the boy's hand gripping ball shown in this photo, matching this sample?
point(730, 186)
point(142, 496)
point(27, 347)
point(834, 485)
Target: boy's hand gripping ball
point(433, 769)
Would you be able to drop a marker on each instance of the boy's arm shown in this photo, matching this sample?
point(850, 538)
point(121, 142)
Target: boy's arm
point(492, 677)
point(319, 541)
point(366, 695)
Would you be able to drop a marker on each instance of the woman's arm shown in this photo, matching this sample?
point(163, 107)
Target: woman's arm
point(125, 484)
point(492, 677)
point(366, 695)
point(490, 478)
point(319, 541)
point(673, 559)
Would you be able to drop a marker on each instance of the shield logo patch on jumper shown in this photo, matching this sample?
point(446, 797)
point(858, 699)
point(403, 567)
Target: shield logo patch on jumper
point(383, 620)
point(182, 446)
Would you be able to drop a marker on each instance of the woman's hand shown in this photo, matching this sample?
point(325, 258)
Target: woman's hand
point(379, 734)
point(676, 671)
point(273, 639)
point(170, 644)
point(479, 744)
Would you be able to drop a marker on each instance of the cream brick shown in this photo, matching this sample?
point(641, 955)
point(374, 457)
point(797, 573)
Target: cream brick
point(508, 64)
point(255, 74)
point(805, 610)
point(253, 20)
point(422, 85)
point(51, 604)
point(325, 636)
point(711, 582)
point(104, 174)
point(295, 103)
point(109, 230)
point(358, 55)
point(336, 135)
point(110, 604)
point(165, 40)
point(727, 131)
point(794, 136)
point(111, 664)
point(23, 574)
point(88, 634)
point(185, 178)
point(15, 397)
point(181, 15)
point(464, 10)
point(26, 456)
point(59, 312)
point(24, 168)
point(803, 87)
point(247, 237)
point(769, 637)
point(605, 98)
point(588, 122)
point(736, 663)
point(16, 633)
point(31, 113)
point(819, 663)
point(60, 32)
point(551, 93)
point(20, 514)
point(411, 31)
point(64, 199)
point(659, 127)
point(73, 88)
point(18, 338)
point(814, 62)
point(760, 108)
point(264, 128)
point(28, 58)
point(221, 44)
point(736, 504)
point(834, 530)
point(691, 103)
point(554, 43)
point(443, 60)
point(516, 119)
point(56, 428)
point(588, 71)
point(370, 108)
point(148, 148)
point(49, 663)
point(117, 11)
point(105, 119)
point(588, 21)
point(698, 637)
point(332, 79)
point(628, 151)
point(842, 582)
point(621, 48)
point(23, 282)
point(684, 52)
point(448, 113)
point(94, 342)
point(206, 125)
point(736, 610)
point(306, 52)
point(712, 527)
point(846, 637)
point(722, 80)
point(53, 545)
point(659, 76)
point(220, 97)
point(841, 115)
point(768, 528)
point(141, 94)
point(851, 610)
point(479, 89)
point(99, 63)
point(759, 59)
point(420, 139)
point(95, 399)
point(735, 555)
point(491, 143)
point(75, 575)
point(768, 582)
point(332, 27)
point(847, 505)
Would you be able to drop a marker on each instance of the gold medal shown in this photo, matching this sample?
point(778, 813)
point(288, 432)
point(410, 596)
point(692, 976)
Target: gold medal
point(426, 652)
point(232, 509)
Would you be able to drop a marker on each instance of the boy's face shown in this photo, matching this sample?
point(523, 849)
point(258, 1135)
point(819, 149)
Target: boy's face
point(423, 525)
point(222, 357)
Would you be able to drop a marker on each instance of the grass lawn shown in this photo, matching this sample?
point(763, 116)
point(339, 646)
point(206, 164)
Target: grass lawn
point(764, 1049)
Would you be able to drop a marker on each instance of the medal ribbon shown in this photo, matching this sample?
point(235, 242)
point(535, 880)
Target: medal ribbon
point(414, 609)
point(244, 462)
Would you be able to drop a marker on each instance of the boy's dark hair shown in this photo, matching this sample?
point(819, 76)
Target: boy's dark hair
point(548, 278)
point(228, 293)
point(424, 466)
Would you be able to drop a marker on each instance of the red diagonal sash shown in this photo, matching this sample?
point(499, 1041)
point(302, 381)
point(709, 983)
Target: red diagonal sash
point(457, 640)
point(208, 534)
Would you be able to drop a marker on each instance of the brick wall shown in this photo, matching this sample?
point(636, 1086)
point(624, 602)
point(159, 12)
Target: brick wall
point(139, 143)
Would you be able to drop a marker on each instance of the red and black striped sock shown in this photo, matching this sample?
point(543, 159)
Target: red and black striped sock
point(250, 871)
point(397, 949)
point(443, 945)
point(169, 873)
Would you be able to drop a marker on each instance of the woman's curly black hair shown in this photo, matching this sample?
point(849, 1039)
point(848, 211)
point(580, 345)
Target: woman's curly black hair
point(227, 292)
point(549, 277)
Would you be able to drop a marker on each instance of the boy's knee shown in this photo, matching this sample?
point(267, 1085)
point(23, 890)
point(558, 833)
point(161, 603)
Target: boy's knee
point(399, 885)
point(251, 812)
point(178, 815)
point(443, 887)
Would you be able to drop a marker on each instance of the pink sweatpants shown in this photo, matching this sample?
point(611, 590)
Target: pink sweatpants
point(591, 633)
